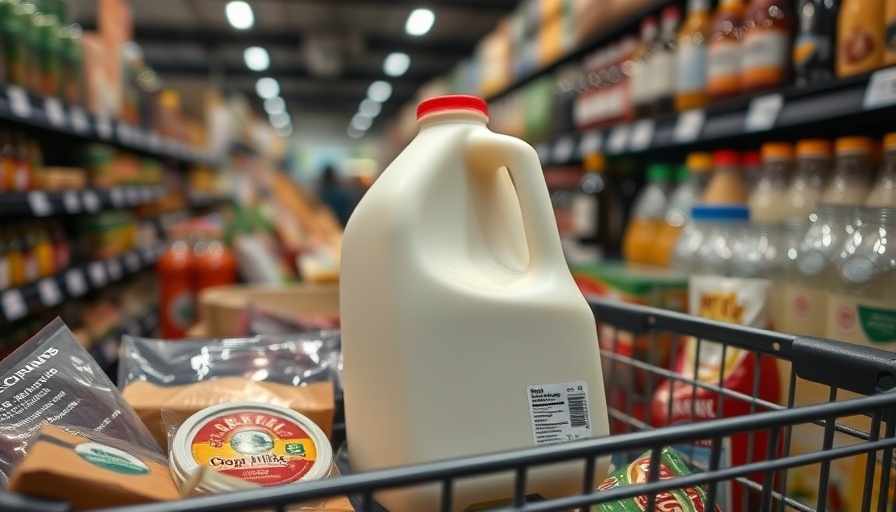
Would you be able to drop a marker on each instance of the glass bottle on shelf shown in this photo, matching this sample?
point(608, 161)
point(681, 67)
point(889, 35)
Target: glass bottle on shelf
point(642, 88)
point(691, 70)
point(724, 52)
point(768, 27)
point(663, 61)
point(689, 192)
point(860, 37)
point(813, 50)
point(727, 185)
point(638, 244)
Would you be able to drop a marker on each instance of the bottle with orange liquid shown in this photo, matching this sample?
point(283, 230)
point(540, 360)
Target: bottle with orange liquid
point(639, 244)
point(766, 60)
point(692, 45)
point(724, 62)
point(697, 170)
point(175, 270)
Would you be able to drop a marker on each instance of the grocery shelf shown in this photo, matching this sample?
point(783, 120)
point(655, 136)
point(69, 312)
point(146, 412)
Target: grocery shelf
point(76, 281)
point(46, 204)
point(106, 351)
point(856, 103)
point(630, 23)
point(51, 114)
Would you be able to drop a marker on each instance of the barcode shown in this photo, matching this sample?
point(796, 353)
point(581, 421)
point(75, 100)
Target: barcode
point(578, 410)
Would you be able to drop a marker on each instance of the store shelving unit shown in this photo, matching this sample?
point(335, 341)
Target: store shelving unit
point(17, 106)
point(106, 351)
point(72, 202)
point(73, 282)
point(791, 112)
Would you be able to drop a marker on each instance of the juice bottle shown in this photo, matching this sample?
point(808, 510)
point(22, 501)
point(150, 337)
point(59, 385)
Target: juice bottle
point(883, 192)
point(596, 207)
point(752, 163)
point(692, 42)
point(175, 270)
point(860, 37)
point(726, 186)
point(697, 170)
point(642, 81)
point(14, 244)
point(771, 189)
point(813, 165)
point(454, 248)
point(813, 50)
point(5, 271)
point(62, 253)
point(8, 163)
point(645, 223)
point(214, 263)
point(662, 64)
point(724, 63)
point(43, 251)
point(768, 27)
point(22, 175)
point(851, 181)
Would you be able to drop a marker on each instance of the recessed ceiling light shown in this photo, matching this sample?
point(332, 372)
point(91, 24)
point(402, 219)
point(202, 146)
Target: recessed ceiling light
point(239, 14)
point(361, 122)
point(355, 133)
point(419, 22)
point(274, 105)
point(396, 64)
point(379, 91)
point(257, 58)
point(267, 88)
point(280, 120)
point(370, 108)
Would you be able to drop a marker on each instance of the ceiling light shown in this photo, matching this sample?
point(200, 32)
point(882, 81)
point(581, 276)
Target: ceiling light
point(267, 88)
point(257, 58)
point(396, 64)
point(274, 105)
point(286, 131)
point(379, 91)
point(239, 14)
point(280, 120)
point(361, 122)
point(419, 22)
point(369, 108)
point(355, 133)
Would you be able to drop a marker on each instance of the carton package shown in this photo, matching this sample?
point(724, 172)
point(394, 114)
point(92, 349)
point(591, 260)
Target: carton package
point(91, 473)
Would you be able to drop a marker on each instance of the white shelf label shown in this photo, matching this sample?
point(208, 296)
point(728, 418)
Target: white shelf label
point(71, 202)
point(763, 112)
point(54, 111)
point(79, 119)
point(40, 205)
point(133, 196)
point(103, 127)
point(689, 126)
point(132, 262)
point(591, 143)
point(642, 135)
point(881, 91)
point(563, 150)
point(146, 195)
point(113, 266)
point(97, 274)
point(75, 283)
point(18, 101)
point(618, 139)
point(50, 295)
point(91, 201)
point(13, 303)
point(116, 195)
point(155, 141)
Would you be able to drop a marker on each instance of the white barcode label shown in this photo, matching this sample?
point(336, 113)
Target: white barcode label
point(559, 412)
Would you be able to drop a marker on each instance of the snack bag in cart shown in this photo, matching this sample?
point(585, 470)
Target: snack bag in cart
point(734, 300)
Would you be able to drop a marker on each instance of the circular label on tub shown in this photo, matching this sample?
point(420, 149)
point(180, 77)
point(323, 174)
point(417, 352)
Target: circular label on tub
point(111, 458)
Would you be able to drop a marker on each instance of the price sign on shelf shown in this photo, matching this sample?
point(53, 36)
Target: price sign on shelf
point(75, 283)
point(689, 126)
point(116, 196)
point(49, 292)
point(40, 204)
point(563, 149)
point(104, 127)
point(618, 139)
point(97, 274)
point(113, 266)
point(13, 304)
point(71, 202)
point(642, 135)
point(91, 201)
point(79, 119)
point(132, 262)
point(763, 112)
point(54, 111)
point(591, 143)
point(881, 91)
point(18, 101)
point(133, 196)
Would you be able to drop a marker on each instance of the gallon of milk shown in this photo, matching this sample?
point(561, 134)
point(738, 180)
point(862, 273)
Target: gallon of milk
point(463, 330)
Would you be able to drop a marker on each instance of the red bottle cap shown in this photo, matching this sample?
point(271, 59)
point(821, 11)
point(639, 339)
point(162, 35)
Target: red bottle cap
point(726, 157)
point(452, 102)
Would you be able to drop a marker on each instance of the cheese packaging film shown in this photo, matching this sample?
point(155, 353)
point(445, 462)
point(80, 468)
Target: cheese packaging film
point(91, 472)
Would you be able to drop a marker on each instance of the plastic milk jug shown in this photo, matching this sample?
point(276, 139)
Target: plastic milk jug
point(463, 330)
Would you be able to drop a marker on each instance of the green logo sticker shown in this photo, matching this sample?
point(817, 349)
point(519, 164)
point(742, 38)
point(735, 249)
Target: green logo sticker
point(879, 324)
point(295, 449)
point(112, 459)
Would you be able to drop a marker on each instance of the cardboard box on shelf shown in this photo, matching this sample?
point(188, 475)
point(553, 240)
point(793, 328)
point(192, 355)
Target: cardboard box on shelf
point(221, 308)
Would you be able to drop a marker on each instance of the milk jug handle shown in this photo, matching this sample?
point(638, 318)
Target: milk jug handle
point(489, 152)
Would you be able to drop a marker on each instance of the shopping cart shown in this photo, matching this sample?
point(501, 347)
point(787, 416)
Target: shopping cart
point(868, 373)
